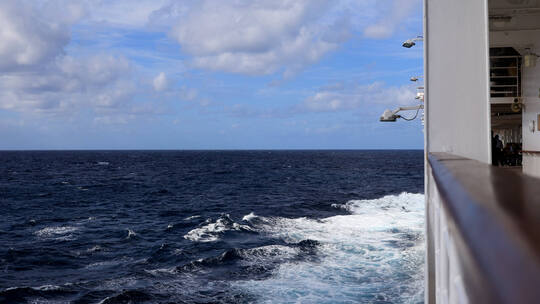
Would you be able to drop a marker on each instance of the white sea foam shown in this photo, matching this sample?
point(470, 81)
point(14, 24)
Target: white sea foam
point(268, 254)
point(103, 163)
point(211, 231)
point(249, 217)
point(56, 232)
point(374, 254)
point(159, 271)
point(192, 217)
point(47, 287)
point(100, 265)
point(95, 249)
point(131, 234)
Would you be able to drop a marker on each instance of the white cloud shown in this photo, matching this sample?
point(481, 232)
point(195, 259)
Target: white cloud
point(160, 82)
point(36, 75)
point(98, 82)
point(113, 120)
point(123, 13)
point(27, 38)
point(256, 37)
point(242, 36)
point(341, 98)
point(386, 26)
point(267, 36)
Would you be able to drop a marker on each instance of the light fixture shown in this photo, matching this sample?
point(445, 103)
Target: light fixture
point(391, 116)
point(416, 78)
point(411, 42)
point(529, 59)
point(500, 20)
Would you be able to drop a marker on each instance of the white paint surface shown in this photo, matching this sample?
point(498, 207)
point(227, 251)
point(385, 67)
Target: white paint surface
point(457, 70)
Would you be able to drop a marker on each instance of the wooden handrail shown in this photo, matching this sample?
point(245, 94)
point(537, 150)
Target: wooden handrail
point(494, 217)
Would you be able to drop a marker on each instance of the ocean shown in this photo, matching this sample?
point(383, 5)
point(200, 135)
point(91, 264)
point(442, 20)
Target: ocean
point(211, 227)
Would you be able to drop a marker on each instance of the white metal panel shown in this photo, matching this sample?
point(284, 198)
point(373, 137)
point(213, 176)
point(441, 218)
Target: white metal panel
point(457, 69)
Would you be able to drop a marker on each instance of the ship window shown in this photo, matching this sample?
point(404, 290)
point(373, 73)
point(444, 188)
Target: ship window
point(506, 106)
point(505, 73)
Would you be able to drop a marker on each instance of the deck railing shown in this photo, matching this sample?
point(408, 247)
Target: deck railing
point(493, 215)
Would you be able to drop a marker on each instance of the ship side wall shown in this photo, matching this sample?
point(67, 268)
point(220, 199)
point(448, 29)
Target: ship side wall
point(457, 72)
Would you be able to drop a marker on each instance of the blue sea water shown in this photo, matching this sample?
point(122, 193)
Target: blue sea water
point(211, 227)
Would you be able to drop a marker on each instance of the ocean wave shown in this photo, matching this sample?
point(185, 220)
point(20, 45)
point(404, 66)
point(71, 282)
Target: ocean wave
point(246, 263)
point(130, 234)
point(96, 248)
point(212, 231)
point(375, 253)
point(104, 264)
point(128, 296)
point(249, 217)
point(408, 202)
point(24, 294)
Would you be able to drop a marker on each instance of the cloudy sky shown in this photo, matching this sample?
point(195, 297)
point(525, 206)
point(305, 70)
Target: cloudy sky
point(207, 74)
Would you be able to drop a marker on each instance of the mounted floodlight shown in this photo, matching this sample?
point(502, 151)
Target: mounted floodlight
point(388, 115)
point(411, 42)
point(529, 59)
point(391, 116)
point(416, 78)
point(500, 20)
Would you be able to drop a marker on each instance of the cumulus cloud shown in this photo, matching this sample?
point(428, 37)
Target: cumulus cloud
point(350, 97)
point(99, 82)
point(253, 37)
point(267, 36)
point(27, 38)
point(160, 82)
point(37, 76)
point(256, 37)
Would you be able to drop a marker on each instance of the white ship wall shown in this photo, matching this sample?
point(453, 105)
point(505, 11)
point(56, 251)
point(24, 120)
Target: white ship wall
point(457, 72)
point(456, 54)
point(449, 287)
point(530, 86)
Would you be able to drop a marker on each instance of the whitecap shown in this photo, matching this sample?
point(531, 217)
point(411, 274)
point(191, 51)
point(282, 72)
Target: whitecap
point(95, 248)
point(249, 217)
point(156, 272)
point(103, 163)
point(211, 231)
point(47, 287)
point(192, 217)
point(131, 234)
point(99, 265)
point(55, 231)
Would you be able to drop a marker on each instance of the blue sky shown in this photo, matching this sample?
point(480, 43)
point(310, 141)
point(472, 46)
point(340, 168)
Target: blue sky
point(207, 74)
